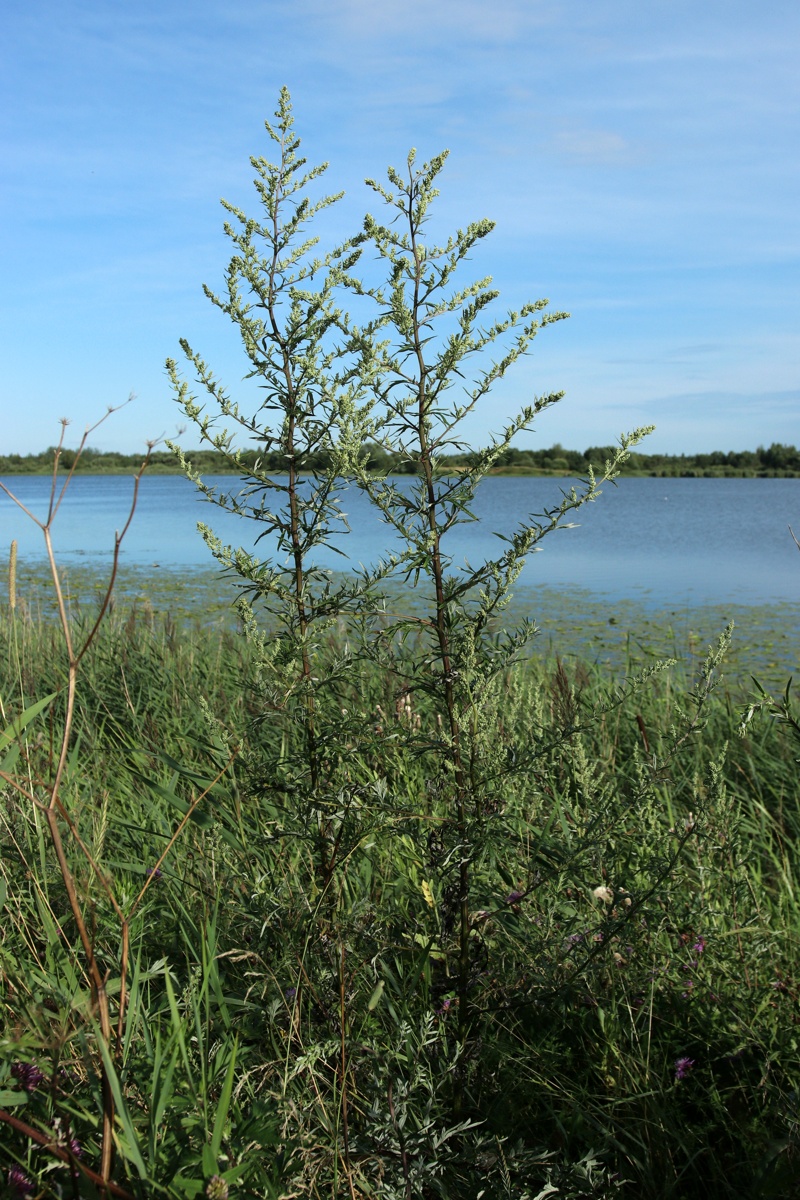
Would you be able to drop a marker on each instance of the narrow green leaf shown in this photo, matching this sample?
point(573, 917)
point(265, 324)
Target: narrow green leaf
point(209, 1161)
point(131, 1147)
point(12, 732)
point(223, 1106)
point(374, 999)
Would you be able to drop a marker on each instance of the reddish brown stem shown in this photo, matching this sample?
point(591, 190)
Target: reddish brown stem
point(63, 1155)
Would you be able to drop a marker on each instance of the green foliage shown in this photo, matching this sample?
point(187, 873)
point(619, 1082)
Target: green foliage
point(431, 331)
point(581, 1036)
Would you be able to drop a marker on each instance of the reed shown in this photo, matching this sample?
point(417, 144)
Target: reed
point(581, 1038)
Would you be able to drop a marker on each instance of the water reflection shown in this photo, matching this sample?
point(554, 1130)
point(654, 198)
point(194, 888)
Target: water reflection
point(665, 540)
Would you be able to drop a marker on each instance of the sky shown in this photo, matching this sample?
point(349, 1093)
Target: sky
point(640, 162)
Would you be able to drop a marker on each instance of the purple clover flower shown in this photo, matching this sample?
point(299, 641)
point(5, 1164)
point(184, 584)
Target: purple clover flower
point(154, 873)
point(683, 1066)
point(699, 946)
point(445, 1006)
point(514, 897)
point(27, 1075)
point(19, 1183)
point(217, 1188)
point(290, 993)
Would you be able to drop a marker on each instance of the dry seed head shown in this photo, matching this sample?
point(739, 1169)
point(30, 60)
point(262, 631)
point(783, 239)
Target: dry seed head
point(12, 576)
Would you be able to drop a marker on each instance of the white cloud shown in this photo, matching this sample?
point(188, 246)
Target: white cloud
point(598, 147)
point(503, 21)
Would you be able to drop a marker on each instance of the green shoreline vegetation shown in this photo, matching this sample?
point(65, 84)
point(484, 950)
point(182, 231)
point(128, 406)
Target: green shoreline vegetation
point(665, 1052)
point(578, 625)
point(776, 461)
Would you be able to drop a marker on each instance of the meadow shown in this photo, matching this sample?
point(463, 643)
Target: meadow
point(359, 888)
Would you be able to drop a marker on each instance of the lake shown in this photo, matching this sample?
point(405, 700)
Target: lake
point(662, 542)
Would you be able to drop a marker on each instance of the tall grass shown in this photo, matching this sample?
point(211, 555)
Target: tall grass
point(634, 953)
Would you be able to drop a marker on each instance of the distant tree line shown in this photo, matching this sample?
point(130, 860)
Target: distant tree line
point(772, 461)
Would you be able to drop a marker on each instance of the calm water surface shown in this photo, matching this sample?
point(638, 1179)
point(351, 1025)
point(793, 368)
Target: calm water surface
point(658, 541)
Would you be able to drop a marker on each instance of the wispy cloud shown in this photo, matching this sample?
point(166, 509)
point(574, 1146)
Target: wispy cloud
point(501, 22)
point(598, 147)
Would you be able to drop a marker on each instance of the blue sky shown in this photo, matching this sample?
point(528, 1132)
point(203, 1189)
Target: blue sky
point(640, 160)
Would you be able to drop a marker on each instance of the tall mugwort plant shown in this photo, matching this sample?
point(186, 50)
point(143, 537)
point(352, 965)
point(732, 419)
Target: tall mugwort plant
point(309, 411)
point(427, 375)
